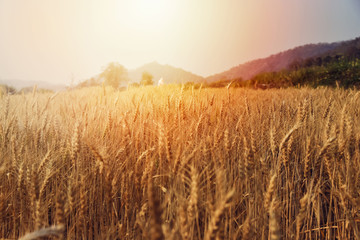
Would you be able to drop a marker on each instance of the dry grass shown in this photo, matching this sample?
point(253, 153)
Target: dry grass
point(171, 163)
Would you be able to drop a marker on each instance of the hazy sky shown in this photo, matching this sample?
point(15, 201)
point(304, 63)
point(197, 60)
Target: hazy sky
point(56, 40)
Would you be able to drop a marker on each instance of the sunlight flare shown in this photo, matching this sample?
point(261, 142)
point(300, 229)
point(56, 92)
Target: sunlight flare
point(151, 15)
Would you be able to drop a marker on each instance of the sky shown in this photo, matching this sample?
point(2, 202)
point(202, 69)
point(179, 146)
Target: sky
point(59, 41)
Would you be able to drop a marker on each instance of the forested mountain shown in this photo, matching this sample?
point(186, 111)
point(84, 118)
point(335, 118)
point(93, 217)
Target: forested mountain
point(287, 59)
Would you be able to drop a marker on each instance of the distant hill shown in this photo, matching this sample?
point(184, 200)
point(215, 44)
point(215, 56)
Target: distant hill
point(22, 84)
point(168, 73)
point(284, 60)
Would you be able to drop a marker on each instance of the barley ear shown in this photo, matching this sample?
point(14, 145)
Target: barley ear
point(217, 216)
point(274, 226)
point(270, 191)
point(304, 201)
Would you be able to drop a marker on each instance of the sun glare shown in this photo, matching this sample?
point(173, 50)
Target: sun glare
point(151, 14)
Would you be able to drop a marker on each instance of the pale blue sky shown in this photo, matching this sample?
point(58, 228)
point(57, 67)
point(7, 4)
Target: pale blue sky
point(53, 41)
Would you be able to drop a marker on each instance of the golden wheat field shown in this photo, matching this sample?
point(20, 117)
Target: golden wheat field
point(174, 163)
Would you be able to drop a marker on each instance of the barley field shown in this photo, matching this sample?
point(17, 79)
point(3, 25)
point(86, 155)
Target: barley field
point(174, 163)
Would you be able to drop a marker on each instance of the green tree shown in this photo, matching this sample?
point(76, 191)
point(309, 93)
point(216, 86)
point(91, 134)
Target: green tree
point(146, 79)
point(134, 85)
point(114, 74)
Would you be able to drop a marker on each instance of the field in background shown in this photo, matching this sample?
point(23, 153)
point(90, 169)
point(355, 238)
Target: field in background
point(165, 162)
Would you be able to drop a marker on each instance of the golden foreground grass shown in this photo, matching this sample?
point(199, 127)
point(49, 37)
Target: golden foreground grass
point(165, 163)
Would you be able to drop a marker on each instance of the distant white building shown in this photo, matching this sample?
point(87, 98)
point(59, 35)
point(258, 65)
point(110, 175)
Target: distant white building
point(160, 82)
